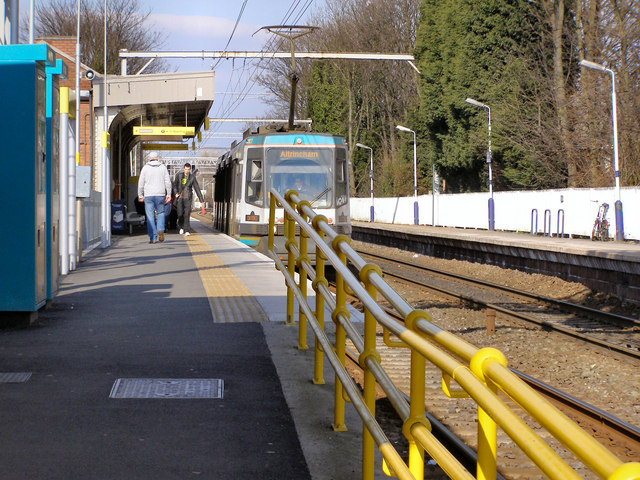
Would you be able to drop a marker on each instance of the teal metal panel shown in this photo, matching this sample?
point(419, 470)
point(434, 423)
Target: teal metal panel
point(39, 52)
point(53, 169)
point(23, 154)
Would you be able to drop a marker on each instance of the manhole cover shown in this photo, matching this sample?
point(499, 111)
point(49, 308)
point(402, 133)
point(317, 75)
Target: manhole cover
point(15, 377)
point(167, 388)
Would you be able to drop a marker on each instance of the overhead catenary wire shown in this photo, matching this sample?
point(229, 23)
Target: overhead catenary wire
point(244, 4)
point(227, 109)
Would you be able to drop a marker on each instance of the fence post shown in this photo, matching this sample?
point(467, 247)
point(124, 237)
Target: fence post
point(369, 351)
point(318, 376)
point(341, 336)
point(487, 427)
point(290, 234)
point(491, 321)
point(302, 278)
point(416, 397)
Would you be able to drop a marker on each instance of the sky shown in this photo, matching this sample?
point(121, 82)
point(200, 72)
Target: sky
point(196, 25)
point(209, 25)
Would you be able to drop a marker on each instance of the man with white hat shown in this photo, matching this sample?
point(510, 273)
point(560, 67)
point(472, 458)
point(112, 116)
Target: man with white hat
point(154, 187)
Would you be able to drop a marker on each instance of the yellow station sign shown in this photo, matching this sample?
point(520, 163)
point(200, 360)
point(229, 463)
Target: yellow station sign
point(164, 146)
point(166, 130)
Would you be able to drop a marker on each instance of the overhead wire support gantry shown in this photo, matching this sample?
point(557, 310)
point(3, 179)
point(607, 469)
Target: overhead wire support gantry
point(125, 54)
point(291, 32)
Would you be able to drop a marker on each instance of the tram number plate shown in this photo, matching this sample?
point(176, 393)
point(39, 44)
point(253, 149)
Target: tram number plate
point(252, 218)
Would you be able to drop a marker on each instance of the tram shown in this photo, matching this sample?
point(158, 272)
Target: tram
point(314, 164)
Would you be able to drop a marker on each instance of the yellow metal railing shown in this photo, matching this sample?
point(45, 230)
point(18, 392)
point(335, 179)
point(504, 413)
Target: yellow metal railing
point(478, 373)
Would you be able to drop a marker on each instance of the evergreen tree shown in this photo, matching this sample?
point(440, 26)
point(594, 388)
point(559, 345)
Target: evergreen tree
point(487, 50)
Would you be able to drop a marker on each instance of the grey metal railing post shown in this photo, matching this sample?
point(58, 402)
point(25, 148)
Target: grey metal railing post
point(534, 213)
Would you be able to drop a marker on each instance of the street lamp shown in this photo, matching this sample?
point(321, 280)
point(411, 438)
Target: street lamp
point(492, 220)
point(370, 175)
point(618, 204)
point(415, 173)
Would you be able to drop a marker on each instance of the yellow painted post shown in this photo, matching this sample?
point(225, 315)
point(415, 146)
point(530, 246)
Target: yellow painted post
point(341, 337)
point(627, 471)
point(302, 276)
point(272, 220)
point(290, 233)
point(416, 398)
point(318, 373)
point(487, 428)
point(370, 351)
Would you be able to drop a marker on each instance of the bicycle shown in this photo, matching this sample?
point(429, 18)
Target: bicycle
point(600, 229)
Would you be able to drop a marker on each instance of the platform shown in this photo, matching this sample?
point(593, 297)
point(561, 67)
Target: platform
point(122, 376)
point(610, 267)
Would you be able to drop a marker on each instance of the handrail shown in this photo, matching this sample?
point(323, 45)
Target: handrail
point(480, 373)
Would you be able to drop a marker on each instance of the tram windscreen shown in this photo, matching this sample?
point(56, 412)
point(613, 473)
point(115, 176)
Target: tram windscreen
point(309, 171)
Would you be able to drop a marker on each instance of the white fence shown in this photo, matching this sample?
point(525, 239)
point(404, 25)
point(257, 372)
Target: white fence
point(578, 208)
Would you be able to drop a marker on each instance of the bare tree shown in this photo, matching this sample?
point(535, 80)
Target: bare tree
point(610, 35)
point(127, 27)
point(370, 97)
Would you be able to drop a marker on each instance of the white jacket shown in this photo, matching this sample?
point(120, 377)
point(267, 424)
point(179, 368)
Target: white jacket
point(154, 180)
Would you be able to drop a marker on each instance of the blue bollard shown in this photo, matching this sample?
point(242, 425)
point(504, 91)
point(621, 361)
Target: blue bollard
point(492, 215)
point(619, 222)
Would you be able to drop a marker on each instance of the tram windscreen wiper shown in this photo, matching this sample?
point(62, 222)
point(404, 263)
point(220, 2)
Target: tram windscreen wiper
point(320, 195)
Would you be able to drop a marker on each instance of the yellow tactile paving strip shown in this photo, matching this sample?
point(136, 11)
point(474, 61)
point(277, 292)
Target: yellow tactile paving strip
point(229, 299)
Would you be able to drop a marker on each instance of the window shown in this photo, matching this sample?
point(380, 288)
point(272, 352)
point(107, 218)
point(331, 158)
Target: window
point(342, 177)
point(309, 171)
point(255, 177)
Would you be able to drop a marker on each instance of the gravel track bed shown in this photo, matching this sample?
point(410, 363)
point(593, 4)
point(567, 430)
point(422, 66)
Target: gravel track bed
point(590, 373)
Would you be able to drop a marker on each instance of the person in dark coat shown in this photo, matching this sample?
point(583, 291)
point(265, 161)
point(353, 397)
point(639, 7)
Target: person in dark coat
point(183, 185)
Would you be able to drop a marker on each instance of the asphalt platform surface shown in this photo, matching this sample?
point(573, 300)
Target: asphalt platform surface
point(139, 311)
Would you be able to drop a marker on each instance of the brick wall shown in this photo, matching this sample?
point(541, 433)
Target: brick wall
point(66, 51)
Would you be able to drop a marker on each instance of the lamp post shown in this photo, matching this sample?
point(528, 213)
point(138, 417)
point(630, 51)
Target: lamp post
point(106, 165)
point(371, 215)
point(492, 220)
point(618, 204)
point(415, 173)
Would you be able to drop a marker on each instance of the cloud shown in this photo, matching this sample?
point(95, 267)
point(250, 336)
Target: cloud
point(200, 26)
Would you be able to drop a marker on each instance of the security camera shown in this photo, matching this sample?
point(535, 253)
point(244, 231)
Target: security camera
point(89, 74)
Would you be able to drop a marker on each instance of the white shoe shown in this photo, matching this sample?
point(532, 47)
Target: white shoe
point(186, 234)
point(181, 231)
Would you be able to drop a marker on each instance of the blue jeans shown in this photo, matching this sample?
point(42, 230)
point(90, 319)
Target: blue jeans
point(151, 205)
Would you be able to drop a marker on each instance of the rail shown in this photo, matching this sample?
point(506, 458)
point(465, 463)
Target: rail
point(478, 373)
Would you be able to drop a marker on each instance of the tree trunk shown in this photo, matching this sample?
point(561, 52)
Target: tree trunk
point(557, 24)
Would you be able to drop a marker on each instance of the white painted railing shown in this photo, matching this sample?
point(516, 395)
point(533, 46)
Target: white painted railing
point(513, 210)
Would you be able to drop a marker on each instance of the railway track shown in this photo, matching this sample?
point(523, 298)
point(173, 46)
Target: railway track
point(457, 417)
point(454, 420)
point(608, 330)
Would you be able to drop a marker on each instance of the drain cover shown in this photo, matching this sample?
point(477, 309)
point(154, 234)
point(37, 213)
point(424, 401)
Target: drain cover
point(167, 388)
point(16, 377)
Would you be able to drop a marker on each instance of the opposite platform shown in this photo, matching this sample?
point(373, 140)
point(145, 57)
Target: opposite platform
point(609, 267)
point(140, 311)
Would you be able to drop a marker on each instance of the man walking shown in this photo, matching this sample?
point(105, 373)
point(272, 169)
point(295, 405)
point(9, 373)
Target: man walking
point(154, 187)
point(183, 185)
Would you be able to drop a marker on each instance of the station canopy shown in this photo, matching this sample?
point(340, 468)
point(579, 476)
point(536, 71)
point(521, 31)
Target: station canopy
point(159, 99)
